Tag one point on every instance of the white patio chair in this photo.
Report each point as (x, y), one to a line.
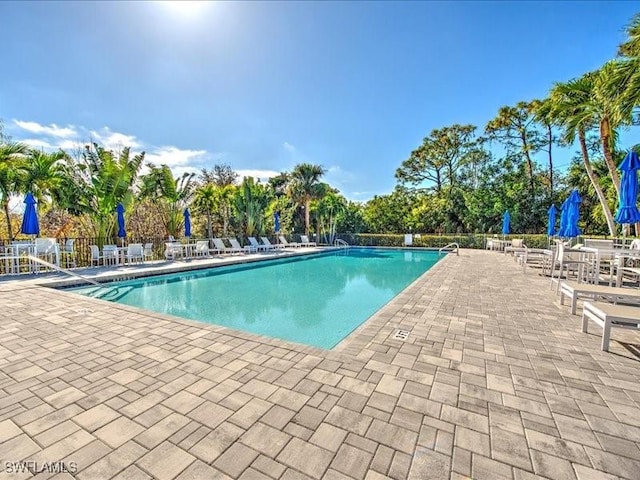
(110, 255)
(68, 253)
(135, 253)
(566, 260)
(48, 250)
(201, 249)
(96, 258)
(148, 251)
(173, 250)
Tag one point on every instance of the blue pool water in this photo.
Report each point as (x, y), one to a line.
(316, 300)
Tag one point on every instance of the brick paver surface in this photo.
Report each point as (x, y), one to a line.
(495, 380)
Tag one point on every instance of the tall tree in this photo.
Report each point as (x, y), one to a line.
(571, 109)
(516, 129)
(251, 201)
(205, 202)
(44, 174)
(541, 109)
(305, 186)
(220, 175)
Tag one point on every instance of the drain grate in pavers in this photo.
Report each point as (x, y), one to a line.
(401, 334)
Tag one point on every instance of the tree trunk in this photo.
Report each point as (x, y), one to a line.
(307, 207)
(5, 205)
(596, 185)
(525, 149)
(550, 139)
(209, 226)
(605, 137)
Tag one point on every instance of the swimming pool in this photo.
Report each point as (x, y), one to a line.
(316, 300)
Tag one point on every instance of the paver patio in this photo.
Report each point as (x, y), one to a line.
(495, 380)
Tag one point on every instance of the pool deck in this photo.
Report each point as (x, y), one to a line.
(495, 380)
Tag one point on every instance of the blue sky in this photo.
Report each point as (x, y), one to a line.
(262, 86)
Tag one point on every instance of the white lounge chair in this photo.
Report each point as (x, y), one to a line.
(222, 248)
(517, 245)
(236, 246)
(608, 316)
(304, 242)
(285, 244)
(266, 241)
(259, 246)
(575, 290)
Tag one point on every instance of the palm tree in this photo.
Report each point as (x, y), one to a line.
(571, 108)
(606, 106)
(44, 174)
(628, 71)
(12, 168)
(305, 186)
(328, 208)
(205, 202)
(251, 201)
(171, 194)
(224, 201)
(96, 183)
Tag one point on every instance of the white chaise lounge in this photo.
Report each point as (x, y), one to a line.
(304, 242)
(575, 290)
(285, 244)
(609, 316)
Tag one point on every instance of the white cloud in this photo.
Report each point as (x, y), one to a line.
(174, 156)
(52, 130)
(114, 140)
(338, 177)
(37, 143)
(179, 160)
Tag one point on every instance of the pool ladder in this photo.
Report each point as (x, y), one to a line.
(447, 247)
(341, 243)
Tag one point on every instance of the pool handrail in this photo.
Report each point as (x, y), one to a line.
(60, 269)
(453, 245)
(340, 243)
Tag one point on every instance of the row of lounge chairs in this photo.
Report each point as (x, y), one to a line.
(202, 248)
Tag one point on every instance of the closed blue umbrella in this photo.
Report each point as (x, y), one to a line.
(564, 216)
(573, 211)
(551, 220)
(30, 224)
(506, 219)
(276, 222)
(121, 230)
(187, 223)
(628, 199)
